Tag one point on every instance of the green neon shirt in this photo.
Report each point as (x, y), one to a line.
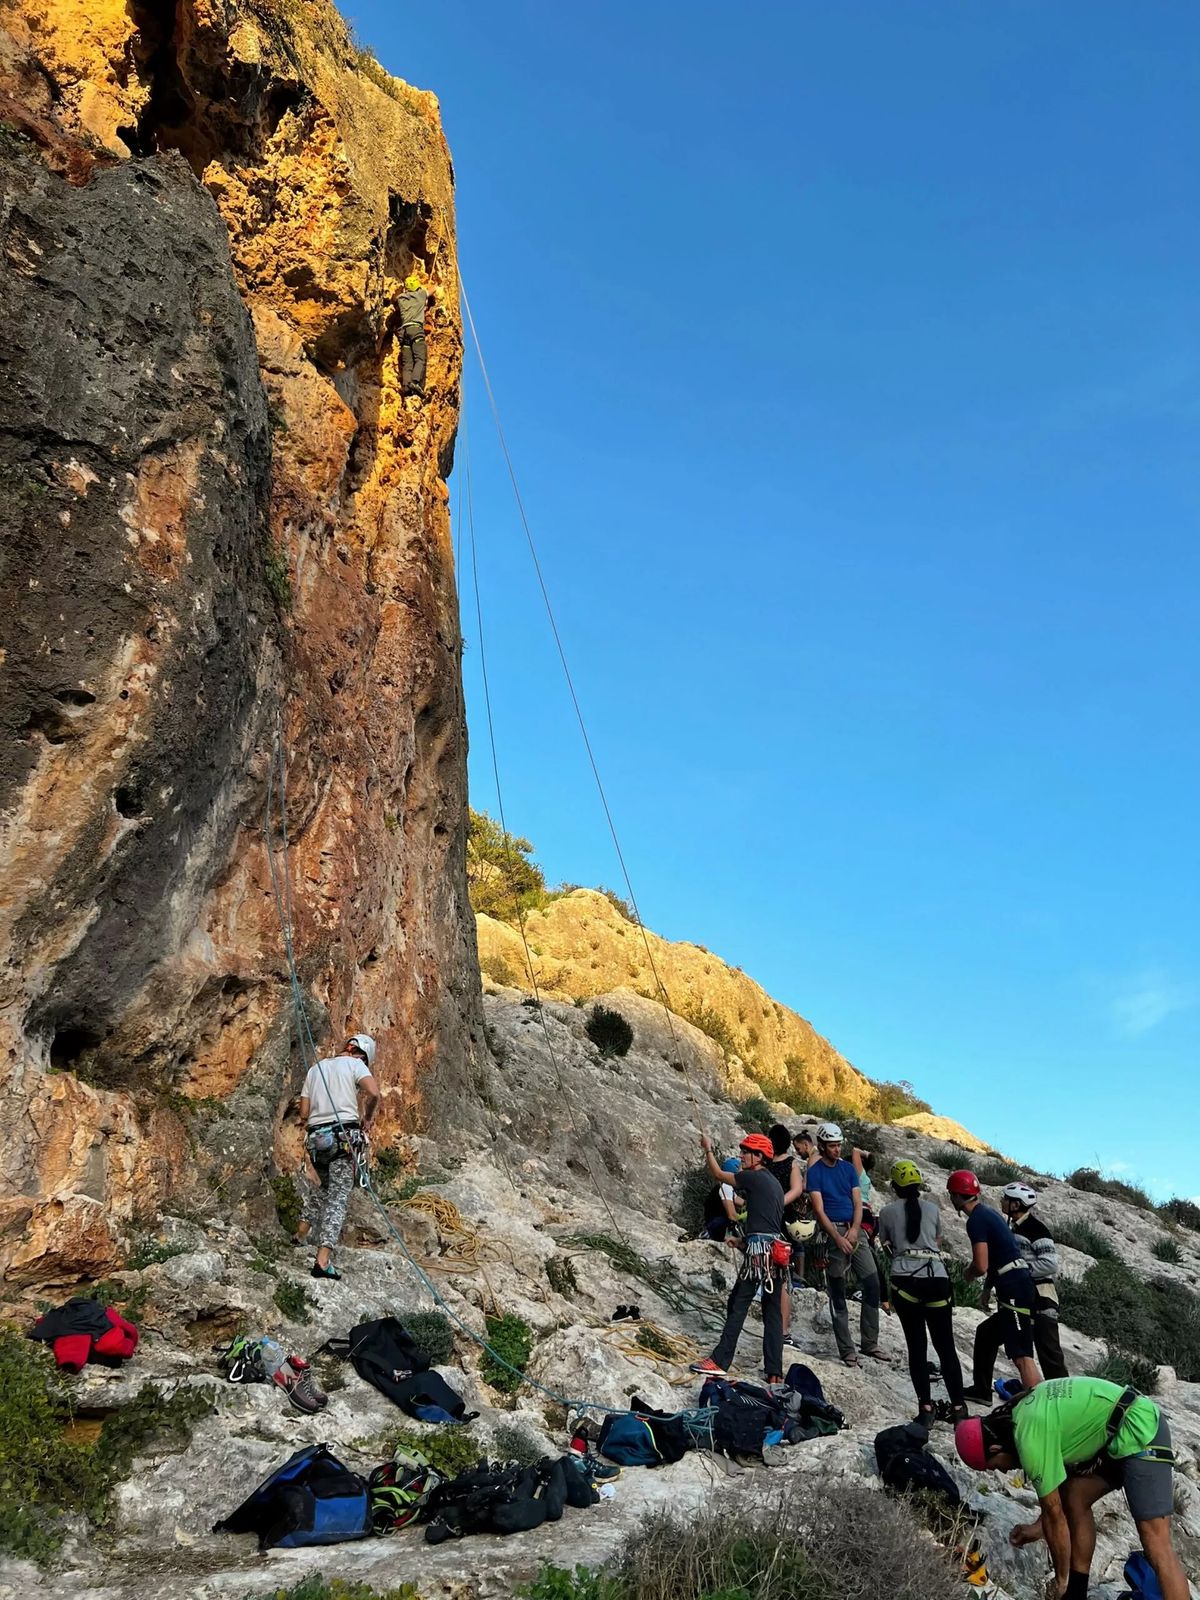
(1062, 1424)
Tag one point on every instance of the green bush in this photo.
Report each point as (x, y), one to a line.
(293, 1300)
(1158, 1320)
(835, 1540)
(713, 1024)
(502, 879)
(434, 1333)
(967, 1291)
(560, 1272)
(149, 1252)
(316, 1586)
(1093, 1182)
(691, 1190)
(996, 1173)
(287, 1202)
(609, 1031)
(512, 1339)
(1167, 1250)
(893, 1100)
(1082, 1236)
(951, 1158)
(1129, 1371)
(449, 1450)
(1185, 1212)
(754, 1114)
(584, 1583)
(44, 1475)
(620, 905)
(511, 1442)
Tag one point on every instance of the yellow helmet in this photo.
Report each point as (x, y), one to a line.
(904, 1173)
(412, 281)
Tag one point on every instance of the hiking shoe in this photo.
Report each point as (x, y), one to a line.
(708, 1368)
(299, 1389)
(299, 1365)
(979, 1397)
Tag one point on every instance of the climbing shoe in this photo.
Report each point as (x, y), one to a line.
(330, 1272)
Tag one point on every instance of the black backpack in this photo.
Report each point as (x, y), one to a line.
(905, 1463)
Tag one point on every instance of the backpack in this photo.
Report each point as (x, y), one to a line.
(384, 1353)
(399, 1489)
(804, 1381)
(905, 1464)
(1141, 1577)
(628, 1441)
(311, 1499)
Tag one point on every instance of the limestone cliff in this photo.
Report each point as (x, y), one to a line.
(219, 518)
(582, 946)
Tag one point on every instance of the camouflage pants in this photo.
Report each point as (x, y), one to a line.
(325, 1207)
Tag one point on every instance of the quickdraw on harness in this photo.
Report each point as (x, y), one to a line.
(335, 1140)
(759, 1261)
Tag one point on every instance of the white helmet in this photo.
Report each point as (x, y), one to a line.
(1025, 1197)
(366, 1044)
(829, 1133)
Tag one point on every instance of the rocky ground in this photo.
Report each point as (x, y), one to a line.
(577, 1145)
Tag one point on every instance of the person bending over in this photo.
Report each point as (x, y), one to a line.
(1076, 1440)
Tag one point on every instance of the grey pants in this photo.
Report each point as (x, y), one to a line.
(325, 1207)
(863, 1263)
(412, 360)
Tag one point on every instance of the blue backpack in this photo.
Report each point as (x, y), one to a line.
(1139, 1575)
(628, 1441)
(311, 1499)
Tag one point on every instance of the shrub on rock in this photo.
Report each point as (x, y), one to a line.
(609, 1031)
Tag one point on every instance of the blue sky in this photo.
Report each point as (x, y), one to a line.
(848, 356)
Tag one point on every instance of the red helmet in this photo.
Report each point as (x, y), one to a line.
(964, 1183)
(968, 1441)
(759, 1144)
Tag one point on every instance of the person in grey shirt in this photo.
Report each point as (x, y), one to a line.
(910, 1230)
(411, 305)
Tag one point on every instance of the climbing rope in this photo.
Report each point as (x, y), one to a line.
(659, 986)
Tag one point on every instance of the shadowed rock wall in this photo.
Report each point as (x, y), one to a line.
(220, 518)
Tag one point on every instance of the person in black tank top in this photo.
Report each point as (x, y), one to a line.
(788, 1172)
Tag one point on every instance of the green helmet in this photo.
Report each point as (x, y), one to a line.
(412, 281)
(904, 1173)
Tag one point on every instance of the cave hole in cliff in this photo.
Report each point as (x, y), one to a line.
(129, 800)
(71, 1043)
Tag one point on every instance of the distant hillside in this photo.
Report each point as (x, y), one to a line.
(582, 946)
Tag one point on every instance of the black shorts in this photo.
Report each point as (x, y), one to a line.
(1146, 1477)
(1015, 1302)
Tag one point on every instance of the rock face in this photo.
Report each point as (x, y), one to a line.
(221, 523)
(583, 947)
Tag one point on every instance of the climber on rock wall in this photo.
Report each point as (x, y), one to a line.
(1037, 1247)
(996, 1258)
(1076, 1440)
(412, 305)
(338, 1104)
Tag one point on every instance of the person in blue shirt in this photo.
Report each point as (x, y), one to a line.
(833, 1188)
(996, 1258)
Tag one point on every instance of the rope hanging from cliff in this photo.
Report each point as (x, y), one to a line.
(659, 986)
(487, 701)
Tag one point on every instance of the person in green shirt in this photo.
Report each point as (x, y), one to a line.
(1076, 1440)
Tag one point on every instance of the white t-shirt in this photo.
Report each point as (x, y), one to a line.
(331, 1089)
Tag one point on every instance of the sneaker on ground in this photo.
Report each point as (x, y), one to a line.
(708, 1368)
(791, 1343)
(599, 1471)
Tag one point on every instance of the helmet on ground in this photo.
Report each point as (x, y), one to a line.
(412, 281)
(829, 1133)
(968, 1441)
(904, 1173)
(963, 1183)
(1025, 1197)
(731, 1164)
(759, 1144)
(365, 1043)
